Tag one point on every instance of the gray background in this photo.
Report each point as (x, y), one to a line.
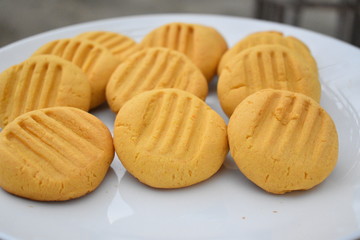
(23, 18)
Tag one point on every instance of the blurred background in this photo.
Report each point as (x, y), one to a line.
(23, 18)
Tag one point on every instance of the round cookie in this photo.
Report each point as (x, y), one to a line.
(54, 154)
(154, 68)
(169, 138)
(265, 66)
(283, 141)
(202, 44)
(96, 61)
(269, 37)
(119, 45)
(40, 82)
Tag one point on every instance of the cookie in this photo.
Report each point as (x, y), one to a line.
(119, 45)
(202, 44)
(40, 82)
(54, 154)
(283, 141)
(270, 37)
(169, 138)
(154, 68)
(265, 66)
(96, 62)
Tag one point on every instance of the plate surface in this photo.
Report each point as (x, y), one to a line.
(227, 206)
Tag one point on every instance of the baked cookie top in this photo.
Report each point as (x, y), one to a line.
(54, 154)
(96, 61)
(154, 68)
(169, 138)
(283, 141)
(120, 46)
(265, 66)
(269, 37)
(202, 44)
(40, 82)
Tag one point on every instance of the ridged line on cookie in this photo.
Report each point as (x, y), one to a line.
(83, 54)
(76, 129)
(52, 139)
(175, 124)
(178, 120)
(258, 74)
(161, 119)
(152, 110)
(29, 157)
(179, 37)
(91, 60)
(20, 93)
(35, 86)
(118, 45)
(63, 136)
(290, 72)
(155, 71)
(300, 115)
(265, 111)
(35, 152)
(156, 76)
(172, 69)
(194, 128)
(129, 78)
(282, 116)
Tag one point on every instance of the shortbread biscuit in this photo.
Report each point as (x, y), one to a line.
(169, 138)
(96, 61)
(283, 141)
(270, 37)
(54, 154)
(40, 82)
(265, 66)
(120, 45)
(202, 44)
(154, 68)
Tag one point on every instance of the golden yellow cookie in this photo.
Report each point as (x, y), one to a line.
(169, 138)
(202, 44)
(96, 61)
(54, 154)
(283, 141)
(270, 37)
(154, 68)
(40, 82)
(120, 45)
(265, 66)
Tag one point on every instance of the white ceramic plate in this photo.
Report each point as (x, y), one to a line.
(227, 206)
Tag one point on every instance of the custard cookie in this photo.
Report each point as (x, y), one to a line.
(270, 37)
(265, 66)
(40, 82)
(202, 44)
(96, 61)
(120, 45)
(283, 141)
(169, 138)
(154, 68)
(54, 154)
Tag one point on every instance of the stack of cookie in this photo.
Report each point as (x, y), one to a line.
(53, 150)
(279, 136)
(266, 60)
(164, 134)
